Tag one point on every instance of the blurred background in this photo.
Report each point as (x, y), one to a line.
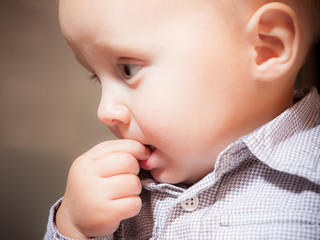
(48, 114)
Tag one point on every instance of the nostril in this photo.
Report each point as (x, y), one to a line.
(114, 114)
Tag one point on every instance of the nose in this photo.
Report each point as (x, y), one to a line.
(113, 113)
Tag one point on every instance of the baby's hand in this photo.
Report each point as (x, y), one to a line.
(102, 189)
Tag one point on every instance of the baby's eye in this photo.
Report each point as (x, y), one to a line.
(128, 71)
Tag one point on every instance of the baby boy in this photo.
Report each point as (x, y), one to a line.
(213, 141)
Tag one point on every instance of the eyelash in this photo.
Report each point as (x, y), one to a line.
(123, 70)
(128, 71)
(94, 78)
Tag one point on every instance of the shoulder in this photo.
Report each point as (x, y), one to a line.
(291, 142)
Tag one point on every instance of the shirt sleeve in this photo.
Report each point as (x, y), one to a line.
(53, 233)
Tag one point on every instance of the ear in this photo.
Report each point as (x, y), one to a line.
(274, 39)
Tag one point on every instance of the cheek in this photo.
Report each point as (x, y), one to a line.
(174, 103)
(163, 120)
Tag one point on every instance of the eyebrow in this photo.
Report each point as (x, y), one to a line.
(125, 46)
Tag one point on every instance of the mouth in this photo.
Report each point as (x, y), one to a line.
(147, 164)
(152, 148)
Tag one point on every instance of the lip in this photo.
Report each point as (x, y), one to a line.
(147, 164)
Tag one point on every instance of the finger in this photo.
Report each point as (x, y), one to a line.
(115, 164)
(124, 185)
(127, 207)
(135, 148)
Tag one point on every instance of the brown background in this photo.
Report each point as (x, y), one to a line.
(48, 114)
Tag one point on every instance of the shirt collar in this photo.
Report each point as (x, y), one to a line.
(291, 142)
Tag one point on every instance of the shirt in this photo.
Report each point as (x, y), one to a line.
(265, 185)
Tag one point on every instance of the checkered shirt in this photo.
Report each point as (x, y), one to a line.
(265, 185)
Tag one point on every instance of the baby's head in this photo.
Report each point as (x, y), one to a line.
(188, 76)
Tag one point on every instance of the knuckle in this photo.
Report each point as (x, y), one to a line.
(98, 146)
(106, 145)
(131, 208)
(136, 205)
(76, 166)
(135, 183)
(129, 163)
(133, 144)
(80, 168)
(125, 160)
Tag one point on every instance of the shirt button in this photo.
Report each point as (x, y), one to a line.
(190, 204)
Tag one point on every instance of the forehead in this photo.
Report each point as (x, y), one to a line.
(119, 19)
(97, 15)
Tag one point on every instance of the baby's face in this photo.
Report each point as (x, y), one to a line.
(171, 75)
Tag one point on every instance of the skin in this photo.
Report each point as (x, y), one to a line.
(195, 90)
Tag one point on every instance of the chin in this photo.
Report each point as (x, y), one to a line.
(163, 176)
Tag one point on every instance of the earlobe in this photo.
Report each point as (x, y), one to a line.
(275, 39)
